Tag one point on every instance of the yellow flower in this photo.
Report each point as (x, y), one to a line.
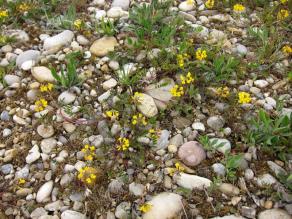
(88, 175)
(201, 54)
(139, 118)
(179, 167)
(283, 1)
(223, 91)
(21, 181)
(123, 144)
(145, 207)
(78, 23)
(177, 91)
(40, 105)
(210, 4)
(244, 97)
(282, 14)
(23, 7)
(138, 97)
(3, 14)
(89, 152)
(180, 60)
(112, 114)
(238, 7)
(46, 88)
(287, 49)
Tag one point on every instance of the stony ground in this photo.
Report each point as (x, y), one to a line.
(126, 109)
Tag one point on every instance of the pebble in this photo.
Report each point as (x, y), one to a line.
(103, 46)
(69, 214)
(45, 131)
(216, 122)
(47, 145)
(66, 97)
(261, 83)
(192, 181)
(44, 192)
(55, 43)
(29, 55)
(6, 169)
(124, 4)
(185, 6)
(219, 169)
(266, 180)
(42, 74)
(229, 189)
(147, 105)
(220, 144)
(136, 189)
(160, 206)
(198, 126)
(192, 153)
(274, 214)
(33, 155)
(123, 210)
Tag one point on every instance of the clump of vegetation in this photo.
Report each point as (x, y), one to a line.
(70, 77)
(154, 25)
(273, 133)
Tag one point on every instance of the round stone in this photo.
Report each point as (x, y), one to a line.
(191, 153)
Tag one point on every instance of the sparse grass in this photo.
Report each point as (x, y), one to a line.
(273, 133)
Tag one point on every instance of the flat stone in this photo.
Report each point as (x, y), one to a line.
(44, 192)
(192, 181)
(55, 43)
(66, 97)
(274, 214)
(29, 55)
(33, 155)
(103, 46)
(146, 106)
(42, 74)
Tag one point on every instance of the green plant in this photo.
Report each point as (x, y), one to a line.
(107, 27)
(153, 25)
(267, 40)
(65, 21)
(221, 68)
(208, 144)
(274, 134)
(232, 163)
(70, 77)
(286, 179)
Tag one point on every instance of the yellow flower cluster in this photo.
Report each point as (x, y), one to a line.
(46, 87)
(282, 14)
(88, 175)
(223, 91)
(112, 114)
(138, 97)
(283, 1)
(139, 118)
(145, 207)
(154, 134)
(201, 54)
(23, 7)
(209, 4)
(287, 49)
(244, 97)
(78, 24)
(123, 144)
(40, 105)
(238, 7)
(178, 168)
(181, 59)
(89, 152)
(21, 181)
(177, 91)
(3, 14)
(187, 79)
